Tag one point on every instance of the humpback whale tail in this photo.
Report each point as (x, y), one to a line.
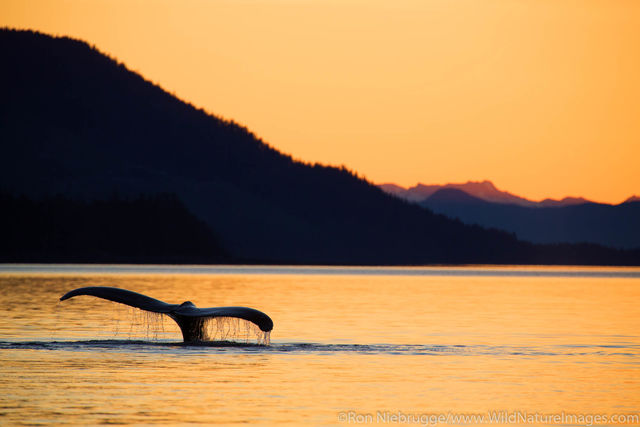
(193, 321)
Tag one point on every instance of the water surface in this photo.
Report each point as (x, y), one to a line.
(347, 343)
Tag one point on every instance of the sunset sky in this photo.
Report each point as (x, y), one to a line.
(542, 97)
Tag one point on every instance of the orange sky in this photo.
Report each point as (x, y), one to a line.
(540, 96)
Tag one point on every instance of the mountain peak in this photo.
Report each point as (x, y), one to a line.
(633, 198)
(484, 190)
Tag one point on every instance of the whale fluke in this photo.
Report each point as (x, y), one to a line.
(190, 319)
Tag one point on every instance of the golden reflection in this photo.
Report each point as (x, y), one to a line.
(365, 343)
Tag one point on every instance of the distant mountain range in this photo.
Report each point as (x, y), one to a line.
(571, 220)
(89, 148)
(484, 190)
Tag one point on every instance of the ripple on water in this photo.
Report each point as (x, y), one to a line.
(135, 346)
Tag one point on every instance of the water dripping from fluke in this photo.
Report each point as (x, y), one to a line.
(196, 324)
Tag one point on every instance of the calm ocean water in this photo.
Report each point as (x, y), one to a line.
(350, 346)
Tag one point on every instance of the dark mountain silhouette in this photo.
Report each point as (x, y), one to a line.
(156, 229)
(453, 195)
(484, 190)
(77, 123)
(610, 225)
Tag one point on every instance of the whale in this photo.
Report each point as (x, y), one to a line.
(190, 319)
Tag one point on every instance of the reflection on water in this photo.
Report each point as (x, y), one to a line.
(364, 340)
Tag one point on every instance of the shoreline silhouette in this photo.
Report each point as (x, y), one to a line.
(82, 128)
